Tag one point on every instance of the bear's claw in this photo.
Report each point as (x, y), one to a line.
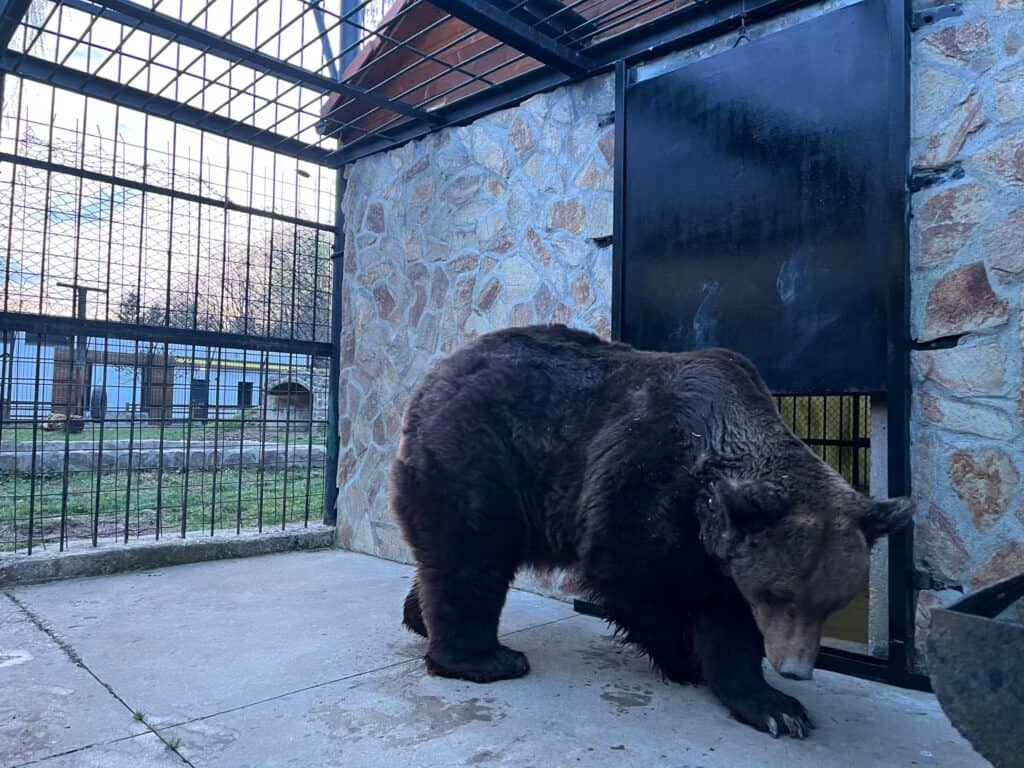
(799, 727)
(774, 712)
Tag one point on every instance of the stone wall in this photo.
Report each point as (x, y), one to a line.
(468, 230)
(465, 231)
(967, 262)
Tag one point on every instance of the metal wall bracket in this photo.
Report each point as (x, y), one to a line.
(930, 177)
(924, 580)
(936, 13)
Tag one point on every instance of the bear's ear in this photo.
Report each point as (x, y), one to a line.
(733, 509)
(880, 518)
(750, 505)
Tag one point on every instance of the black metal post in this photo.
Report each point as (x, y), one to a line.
(78, 349)
(334, 381)
(901, 545)
(352, 20)
(618, 200)
(11, 15)
(325, 41)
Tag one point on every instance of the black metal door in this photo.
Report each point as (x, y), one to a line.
(761, 205)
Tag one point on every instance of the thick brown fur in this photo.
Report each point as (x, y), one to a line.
(668, 480)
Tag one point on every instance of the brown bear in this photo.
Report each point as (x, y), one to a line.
(708, 533)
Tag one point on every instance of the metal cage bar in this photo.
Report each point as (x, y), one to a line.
(168, 27)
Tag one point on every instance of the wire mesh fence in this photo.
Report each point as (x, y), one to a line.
(156, 240)
(112, 440)
(165, 326)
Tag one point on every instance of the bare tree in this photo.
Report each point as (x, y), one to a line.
(281, 290)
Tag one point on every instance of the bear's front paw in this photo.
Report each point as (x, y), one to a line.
(500, 664)
(773, 712)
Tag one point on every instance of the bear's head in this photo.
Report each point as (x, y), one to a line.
(798, 550)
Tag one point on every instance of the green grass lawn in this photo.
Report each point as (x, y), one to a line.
(223, 500)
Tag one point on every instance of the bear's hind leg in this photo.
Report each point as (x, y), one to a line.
(461, 607)
(729, 649)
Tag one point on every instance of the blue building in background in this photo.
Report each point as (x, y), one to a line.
(117, 379)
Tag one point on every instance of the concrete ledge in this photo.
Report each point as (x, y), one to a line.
(109, 558)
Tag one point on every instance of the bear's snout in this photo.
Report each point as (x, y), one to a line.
(796, 669)
(791, 640)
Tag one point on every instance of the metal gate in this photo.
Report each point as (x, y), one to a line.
(760, 207)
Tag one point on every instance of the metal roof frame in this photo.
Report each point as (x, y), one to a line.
(561, 56)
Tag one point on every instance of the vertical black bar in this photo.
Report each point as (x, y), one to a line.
(136, 407)
(901, 552)
(857, 434)
(352, 20)
(283, 450)
(809, 428)
(7, 369)
(826, 452)
(163, 413)
(35, 436)
(14, 183)
(166, 409)
(246, 314)
(843, 435)
(98, 461)
(216, 438)
(42, 304)
(334, 382)
(273, 316)
(243, 406)
(311, 372)
(189, 372)
(219, 408)
(619, 200)
(261, 474)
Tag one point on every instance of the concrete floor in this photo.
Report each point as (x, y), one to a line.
(299, 660)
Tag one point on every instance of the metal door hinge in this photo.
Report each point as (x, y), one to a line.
(936, 13)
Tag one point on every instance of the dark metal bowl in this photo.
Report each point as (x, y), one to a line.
(976, 664)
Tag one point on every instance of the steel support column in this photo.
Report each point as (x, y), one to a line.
(11, 14)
